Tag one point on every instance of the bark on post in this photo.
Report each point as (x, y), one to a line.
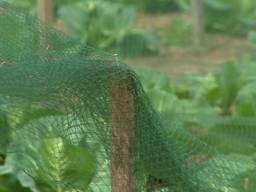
(122, 137)
(45, 10)
(198, 23)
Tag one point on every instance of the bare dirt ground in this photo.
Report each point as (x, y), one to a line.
(174, 60)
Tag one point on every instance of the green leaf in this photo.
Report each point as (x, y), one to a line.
(252, 38)
(245, 104)
(24, 4)
(95, 22)
(63, 166)
(230, 82)
(15, 181)
(8, 183)
(5, 131)
(49, 149)
(218, 5)
(152, 79)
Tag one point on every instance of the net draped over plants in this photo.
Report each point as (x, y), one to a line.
(55, 94)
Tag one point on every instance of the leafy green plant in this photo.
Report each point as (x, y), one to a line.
(4, 128)
(138, 42)
(97, 24)
(183, 118)
(167, 96)
(228, 90)
(8, 183)
(178, 32)
(161, 6)
(223, 15)
(219, 88)
(29, 148)
(245, 102)
(252, 38)
(229, 80)
(26, 4)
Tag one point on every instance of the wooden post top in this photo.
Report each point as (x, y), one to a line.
(121, 121)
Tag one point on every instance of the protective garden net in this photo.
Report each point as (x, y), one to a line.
(59, 101)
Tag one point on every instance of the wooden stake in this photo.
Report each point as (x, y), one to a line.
(122, 137)
(198, 24)
(45, 10)
(45, 14)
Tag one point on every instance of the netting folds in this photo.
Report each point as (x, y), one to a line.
(72, 111)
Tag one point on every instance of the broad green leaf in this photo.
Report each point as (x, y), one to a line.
(8, 183)
(95, 23)
(5, 131)
(63, 166)
(245, 104)
(50, 150)
(230, 82)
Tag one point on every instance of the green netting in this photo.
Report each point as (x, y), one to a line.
(55, 101)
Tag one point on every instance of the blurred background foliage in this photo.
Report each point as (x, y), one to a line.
(217, 79)
(110, 24)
